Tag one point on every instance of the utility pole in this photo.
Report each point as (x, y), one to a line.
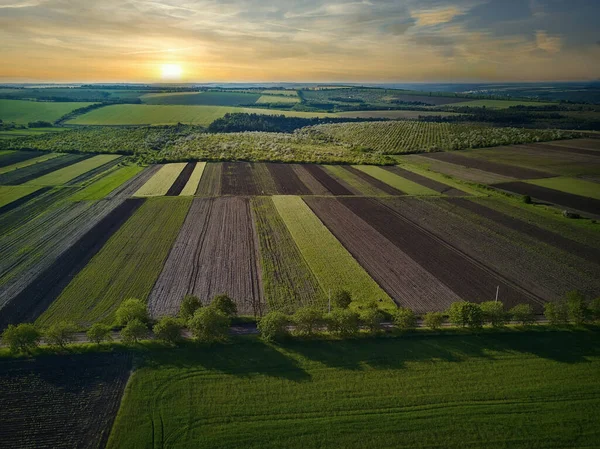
(497, 289)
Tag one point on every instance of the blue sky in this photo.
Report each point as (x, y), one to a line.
(305, 40)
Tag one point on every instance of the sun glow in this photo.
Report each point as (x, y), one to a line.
(171, 71)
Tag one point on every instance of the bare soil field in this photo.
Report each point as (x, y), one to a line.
(210, 182)
(426, 182)
(315, 187)
(384, 187)
(61, 401)
(467, 278)
(586, 144)
(237, 179)
(492, 167)
(407, 283)
(580, 203)
(545, 147)
(327, 181)
(286, 180)
(215, 253)
(181, 180)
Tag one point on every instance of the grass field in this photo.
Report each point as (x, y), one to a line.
(127, 266)
(332, 264)
(570, 185)
(507, 390)
(499, 104)
(398, 182)
(66, 174)
(136, 114)
(159, 184)
(106, 184)
(8, 194)
(23, 112)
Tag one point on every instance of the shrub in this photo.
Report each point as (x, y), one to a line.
(522, 313)
(168, 329)
(60, 334)
(134, 331)
(273, 326)
(307, 319)
(405, 319)
(433, 320)
(188, 306)
(98, 333)
(465, 314)
(209, 324)
(493, 313)
(556, 312)
(343, 322)
(24, 337)
(595, 309)
(372, 319)
(225, 304)
(131, 309)
(577, 310)
(526, 199)
(341, 299)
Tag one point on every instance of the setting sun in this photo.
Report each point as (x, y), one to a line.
(171, 71)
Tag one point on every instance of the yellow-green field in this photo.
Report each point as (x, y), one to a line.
(23, 112)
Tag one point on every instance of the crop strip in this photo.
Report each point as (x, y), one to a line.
(543, 148)
(569, 200)
(14, 157)
(194, 180)
(74, 171)
(181, 180)
(26, 174)
(354, 183)
(22, 200)
(429, 183)
(35, 298)
(210, 182)
(91, 175)
(28, 162)
(237, 179)
(315, 187)
(160, 183)
(374, 181)
(396, 181)
(287, 180)
(328, 181)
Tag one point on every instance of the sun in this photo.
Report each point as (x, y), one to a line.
(171, 71)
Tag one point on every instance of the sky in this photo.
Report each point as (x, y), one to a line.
(299, 40)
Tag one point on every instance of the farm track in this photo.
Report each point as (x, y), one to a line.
(181, 180)
(215, 253)
(287, 181)
(36, 297)
(62, 401)
(315, 187)
(210, 182)
(552, 238)
(539, 269)
(384, 187)
(493, 167)
(407, 282)
(580, 203)
(31, 172)
(467, 278)
(18, 156)
(426, 182)
(327, 181)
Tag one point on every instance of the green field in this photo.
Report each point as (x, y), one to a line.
(398, 182)
(359, 185)
(570, 185)
(9, 134)
(28, 162)
(331, 263)
(66, 174)
(505, 390)
(201, 98)
(127, 266)
(498, 104)
(277, 99)
(106, 184)
(8, 194)
(287, 93)
(136, 114)
(160, 183)
(23, 112)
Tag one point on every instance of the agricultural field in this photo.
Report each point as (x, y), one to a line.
(74, 171)
(26, 132)
(499, 104)
(418, 392)
(28, 162)
(23, 112)
(10, 194)
(102, 187)
(201, 98)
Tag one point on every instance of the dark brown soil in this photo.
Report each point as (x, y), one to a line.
(61, 401)
(181, 180)
(541, 234)
(326, 180)
(493, 167)
(374, 181)
(286, 180)
(545, 147)
(568, 200)
(426, 182)
(463, 275)
(210, 182)
(237, 179)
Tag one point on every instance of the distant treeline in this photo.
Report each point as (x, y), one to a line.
(238, 122)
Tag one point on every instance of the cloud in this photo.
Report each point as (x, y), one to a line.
(27, 4)
(547, 43)
(430, 17)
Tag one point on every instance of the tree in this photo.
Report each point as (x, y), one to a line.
(24, 337)
(134, 331)
(60, 334)
(188, 306)
(556, 313)
(522, 313)
(343, 322)
(577, 309)
(372, 319)
(493, 313)
(307, 319)
(433, 320)
(168, 329)
(98, 333)
(273, 326)
(225, 304)
(465, 314)
(209, 324)
(131, 309)
(341, 299)
(405, 319)
(595, 309)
